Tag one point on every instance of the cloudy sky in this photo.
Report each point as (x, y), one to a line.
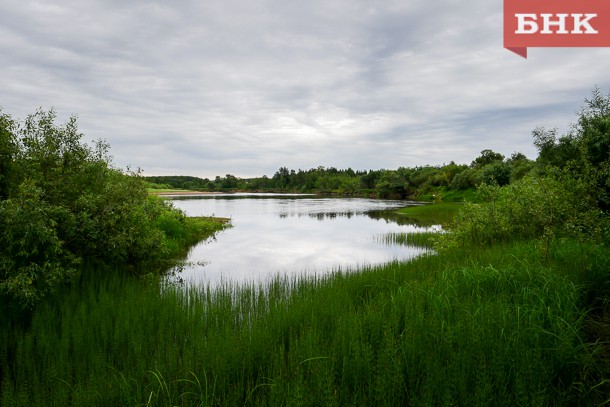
(210, 87)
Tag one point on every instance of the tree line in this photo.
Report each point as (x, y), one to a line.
(404, 182)
(583, 150)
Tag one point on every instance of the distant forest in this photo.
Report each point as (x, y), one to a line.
(447, 182)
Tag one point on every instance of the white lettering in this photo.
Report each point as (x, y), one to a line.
(527, 23)
(522, 22)
(547, 23)
(578, 24)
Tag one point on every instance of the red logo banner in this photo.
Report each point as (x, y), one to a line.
(555, 23)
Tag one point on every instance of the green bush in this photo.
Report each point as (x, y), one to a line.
(496, 173)
(33, 260)
(62, 202)
(534, 207)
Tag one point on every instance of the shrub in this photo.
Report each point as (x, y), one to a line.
(541, 208)
(33, 259)
(62, 202)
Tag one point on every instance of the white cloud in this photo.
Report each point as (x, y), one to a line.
(216, 87)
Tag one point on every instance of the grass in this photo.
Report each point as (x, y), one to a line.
(424, 239)
(182, 232)
(431, 214)
(441, 194)
(500, 326)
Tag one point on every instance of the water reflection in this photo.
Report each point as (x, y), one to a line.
(292, 234)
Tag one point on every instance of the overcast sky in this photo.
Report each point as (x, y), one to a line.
(210, 87)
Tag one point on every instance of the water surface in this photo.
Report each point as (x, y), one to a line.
(290, 234)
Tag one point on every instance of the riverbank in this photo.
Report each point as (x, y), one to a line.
(175, 192)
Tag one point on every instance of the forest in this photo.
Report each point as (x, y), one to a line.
(451, 182)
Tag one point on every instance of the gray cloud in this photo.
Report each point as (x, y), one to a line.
(216, 87)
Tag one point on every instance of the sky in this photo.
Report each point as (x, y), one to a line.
(244, 87)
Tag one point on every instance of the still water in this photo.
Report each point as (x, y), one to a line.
(290, 235)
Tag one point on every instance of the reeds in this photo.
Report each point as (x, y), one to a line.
(423, 239)
(432, 214)
(497, 327)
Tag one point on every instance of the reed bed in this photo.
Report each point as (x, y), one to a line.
(498, 327)
(423, 239)
(432, 214)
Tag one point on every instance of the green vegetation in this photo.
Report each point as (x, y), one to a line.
(494, 327)
(449, 183)
(432, 214)
(63, 205)
(423, 239)
(512, 311)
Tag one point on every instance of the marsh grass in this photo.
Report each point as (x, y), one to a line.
(424, 239)
(493, 327)
(432, 214)
(183, 232)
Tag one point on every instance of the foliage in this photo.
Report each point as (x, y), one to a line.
(532, 208)
(497, 173)
(404, 182)
(553, 151)
(8, 150)
(63, 204)
(433, 214)
(593, 136)
(567, 194)
(465, 180)
(33, 259)
(487, 157)
(585, 151)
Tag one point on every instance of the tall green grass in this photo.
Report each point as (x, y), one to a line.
(431, 214)
(423, 239)
(494, 327)
(182, 232)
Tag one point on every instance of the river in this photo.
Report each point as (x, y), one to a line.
(290, 235)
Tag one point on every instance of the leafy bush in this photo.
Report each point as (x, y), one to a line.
(496, 173)
(62, 202)
(541, 208)
(33, 260)
(465, 179)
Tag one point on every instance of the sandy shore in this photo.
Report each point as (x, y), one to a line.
(172, 193)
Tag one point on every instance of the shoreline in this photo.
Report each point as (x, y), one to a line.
(173, 193)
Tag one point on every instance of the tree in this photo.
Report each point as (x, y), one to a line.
(62, 203)
(8, 150)
(520, 165)
(390, 185)
(465, 179)
(553, 151)
(487, 157)
(497, 173)
(583, 153)
(593, 137)
(33, 259)
(282, 177)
